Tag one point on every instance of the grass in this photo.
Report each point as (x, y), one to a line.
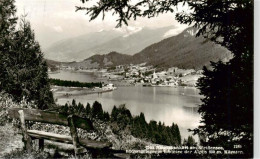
(10, 140)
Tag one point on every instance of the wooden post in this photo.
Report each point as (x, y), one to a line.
(41, 144)
(74, 134)
(26, 138)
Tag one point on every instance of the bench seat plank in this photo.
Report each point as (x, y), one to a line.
(50, 117)
(121, 155)
(67, 139)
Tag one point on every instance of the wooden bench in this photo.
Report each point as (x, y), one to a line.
(72, 121)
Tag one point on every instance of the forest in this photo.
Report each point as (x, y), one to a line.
(121, 119)
(66, 83)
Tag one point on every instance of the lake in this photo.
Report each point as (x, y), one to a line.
(75, 76)
(165, 104)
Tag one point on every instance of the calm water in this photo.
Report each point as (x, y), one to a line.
(166, 104)
(75, 76)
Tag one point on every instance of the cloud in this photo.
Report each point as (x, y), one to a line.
(60, 16)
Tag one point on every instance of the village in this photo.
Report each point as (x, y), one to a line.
(141, 74)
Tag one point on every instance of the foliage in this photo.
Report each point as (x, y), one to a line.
(121, 120)
(8, 22)
(122, 117)
(97, 111)
(157, 133)
(148, 73)
(94, 112)
(128, 9)
(6, 103)
(59, 82)
(189, 142)
(23, 71)
(7, 29)
(227, 119)
(88, 110)
(233, 121)
(25, 155)
(76, 109)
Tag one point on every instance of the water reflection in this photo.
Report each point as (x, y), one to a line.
(75, 76)
(191, 109)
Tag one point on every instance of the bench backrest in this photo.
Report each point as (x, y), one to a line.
(50, 117)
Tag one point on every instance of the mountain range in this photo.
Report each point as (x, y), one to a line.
(127, 42)
(184, 50)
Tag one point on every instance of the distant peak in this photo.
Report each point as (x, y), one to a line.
(113, 53)
(129, 30)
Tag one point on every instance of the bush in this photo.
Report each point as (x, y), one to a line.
(7, 102)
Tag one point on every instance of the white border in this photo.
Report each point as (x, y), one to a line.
(256, 78)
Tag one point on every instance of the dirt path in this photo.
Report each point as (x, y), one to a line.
(9, 140)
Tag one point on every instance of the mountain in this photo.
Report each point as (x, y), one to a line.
(73, 49)
(184, 51)
(127, 42)
(133, 43)
(97, 61)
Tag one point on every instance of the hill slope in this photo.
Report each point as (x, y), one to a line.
(183, 51)
(97, 61)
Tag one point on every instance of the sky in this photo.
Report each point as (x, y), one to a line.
(55, 20)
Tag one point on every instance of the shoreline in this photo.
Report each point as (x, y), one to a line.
(75, 91)
(66, 92)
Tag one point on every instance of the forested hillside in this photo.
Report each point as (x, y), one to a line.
(183, 51)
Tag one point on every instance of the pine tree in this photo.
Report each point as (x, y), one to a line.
(189, 142)
(8, 22)
(97, 111)
(88, 110)
(23, 71)
(80, 110)
(114, 114)
(74, 104)
(29, 72)
(106, 116)
(178, 134)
